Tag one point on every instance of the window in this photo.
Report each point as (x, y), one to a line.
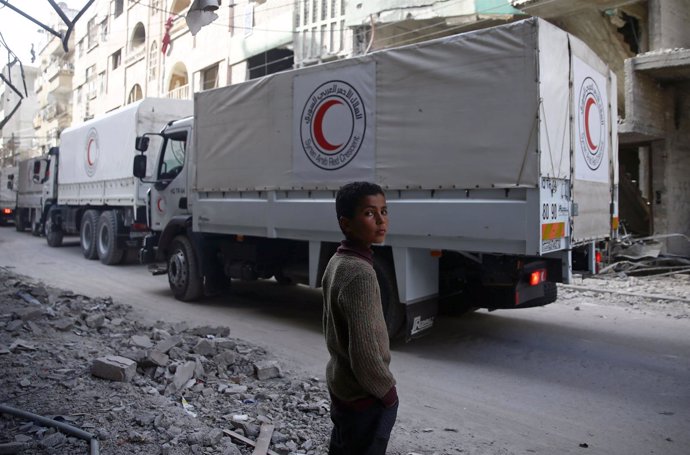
(91, 81)
(135, 94)
(101, 82)
(153, 61)
(138, 37)
(80, 48)
(116, 59)
(172, 160)
(91, 33)
(324, 9)
(119, 7)
(209, 77)
(314, 10)
(312, 48)
(323, 45)
(333, 8)
(104, 30)
(306, 12)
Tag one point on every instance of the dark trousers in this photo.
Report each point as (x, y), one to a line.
(364, 432)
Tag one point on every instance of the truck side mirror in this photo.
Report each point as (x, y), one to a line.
(141, 143)
(139, 170)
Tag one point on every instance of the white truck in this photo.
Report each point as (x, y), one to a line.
(496, 148)
(95, 194)
(8, 196)
(31, 200)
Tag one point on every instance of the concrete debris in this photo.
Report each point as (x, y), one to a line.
(114, 368)
(168, 388)
(267, 369)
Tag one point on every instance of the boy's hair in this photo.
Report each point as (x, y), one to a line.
(351, 194)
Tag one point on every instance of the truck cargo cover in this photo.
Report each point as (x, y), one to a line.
(457, 112)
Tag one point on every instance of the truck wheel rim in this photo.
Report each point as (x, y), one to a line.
(178, 269)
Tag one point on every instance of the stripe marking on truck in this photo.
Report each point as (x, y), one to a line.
(552, 231)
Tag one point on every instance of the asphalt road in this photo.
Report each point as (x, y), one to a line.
(552, 380)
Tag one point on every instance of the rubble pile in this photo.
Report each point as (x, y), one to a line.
(140, 388)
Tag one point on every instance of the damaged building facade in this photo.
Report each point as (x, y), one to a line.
(647, 44)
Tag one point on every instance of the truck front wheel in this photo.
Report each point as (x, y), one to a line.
(53, 233)
(87, 234)
(108, 251)
(183, 272)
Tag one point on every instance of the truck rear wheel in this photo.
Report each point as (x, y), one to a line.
(35, 222)
(393, 310)
(183, 272)
(19, 222)
(87, 234)
(108, 251)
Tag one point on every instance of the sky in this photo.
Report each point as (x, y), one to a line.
(20, 32)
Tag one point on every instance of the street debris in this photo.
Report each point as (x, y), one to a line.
(143, 388)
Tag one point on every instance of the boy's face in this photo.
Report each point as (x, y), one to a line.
(370, 223)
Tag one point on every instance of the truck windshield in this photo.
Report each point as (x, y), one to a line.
(173, 156)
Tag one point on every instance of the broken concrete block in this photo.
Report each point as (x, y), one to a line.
(267, 369)
(225, 359)
(183, 374)
(156, 358)
(114, 368)
(168, 343)
(63, 324)
(141, 341)
(205, 347)
(225, 343)
(95, 321)
(12, 447)
(15, 325)
(30, 313)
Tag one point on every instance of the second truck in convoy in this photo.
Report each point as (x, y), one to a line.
(496, 148)
(87, 184)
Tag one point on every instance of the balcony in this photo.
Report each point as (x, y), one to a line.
(180, 93)
(59, 69)
(134, 55)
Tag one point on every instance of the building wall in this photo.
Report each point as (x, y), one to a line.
(669, 23)
(18, 132)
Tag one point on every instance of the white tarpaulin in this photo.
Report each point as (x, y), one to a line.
(591, 123)
(102, 149)
(333, 124)
(457, 112)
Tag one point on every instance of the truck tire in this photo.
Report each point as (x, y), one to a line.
(393, 310)
(53, 233)
(106, 238)
(36, 223)
(87, 234)
(19, 223)
(183, 272)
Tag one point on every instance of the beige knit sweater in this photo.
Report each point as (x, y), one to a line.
(355, 330)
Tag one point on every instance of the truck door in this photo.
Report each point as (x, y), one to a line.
(592, 146)
(168, 195)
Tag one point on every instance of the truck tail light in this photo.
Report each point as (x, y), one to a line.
(6, 211)
(537, 277)
(597, 258)
(139, 227)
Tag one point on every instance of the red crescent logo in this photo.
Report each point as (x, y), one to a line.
(588, 106)
(158, 204)
(88, 152)
(318, 126)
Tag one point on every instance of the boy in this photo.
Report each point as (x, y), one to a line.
(364, 401)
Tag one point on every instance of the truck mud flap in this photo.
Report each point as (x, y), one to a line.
(420, 318)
